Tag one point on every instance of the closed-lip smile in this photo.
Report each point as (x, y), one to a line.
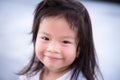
(53, 57)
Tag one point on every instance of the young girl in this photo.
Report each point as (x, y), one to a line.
(63, 43)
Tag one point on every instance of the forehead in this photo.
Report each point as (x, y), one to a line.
(59, 25)
(62, 17)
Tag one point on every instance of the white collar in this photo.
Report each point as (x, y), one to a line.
(66, 76)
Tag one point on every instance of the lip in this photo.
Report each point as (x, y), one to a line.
(53, 58)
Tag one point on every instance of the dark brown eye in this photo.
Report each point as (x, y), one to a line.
(66, 42)
(45, 38)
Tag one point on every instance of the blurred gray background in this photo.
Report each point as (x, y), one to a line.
(16, 18)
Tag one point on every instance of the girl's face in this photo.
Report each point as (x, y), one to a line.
(55, 44)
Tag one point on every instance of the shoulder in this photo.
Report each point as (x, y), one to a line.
(23, 77)
(81, 76)
(34, 77)
(67, 76)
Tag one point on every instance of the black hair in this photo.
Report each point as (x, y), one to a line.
(77, 16)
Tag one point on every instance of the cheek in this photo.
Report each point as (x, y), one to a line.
(70, 55)
(39, 49)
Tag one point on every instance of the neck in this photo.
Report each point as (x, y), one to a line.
(49, 74)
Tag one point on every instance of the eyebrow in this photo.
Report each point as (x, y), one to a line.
(44, 33)
(68, 37)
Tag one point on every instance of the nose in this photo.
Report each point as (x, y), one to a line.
(53, 47)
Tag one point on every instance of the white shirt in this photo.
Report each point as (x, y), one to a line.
(66, 76)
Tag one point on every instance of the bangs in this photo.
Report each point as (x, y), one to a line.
(71, 14)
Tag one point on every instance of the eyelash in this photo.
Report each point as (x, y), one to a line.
(45, 38)
(66, 42)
